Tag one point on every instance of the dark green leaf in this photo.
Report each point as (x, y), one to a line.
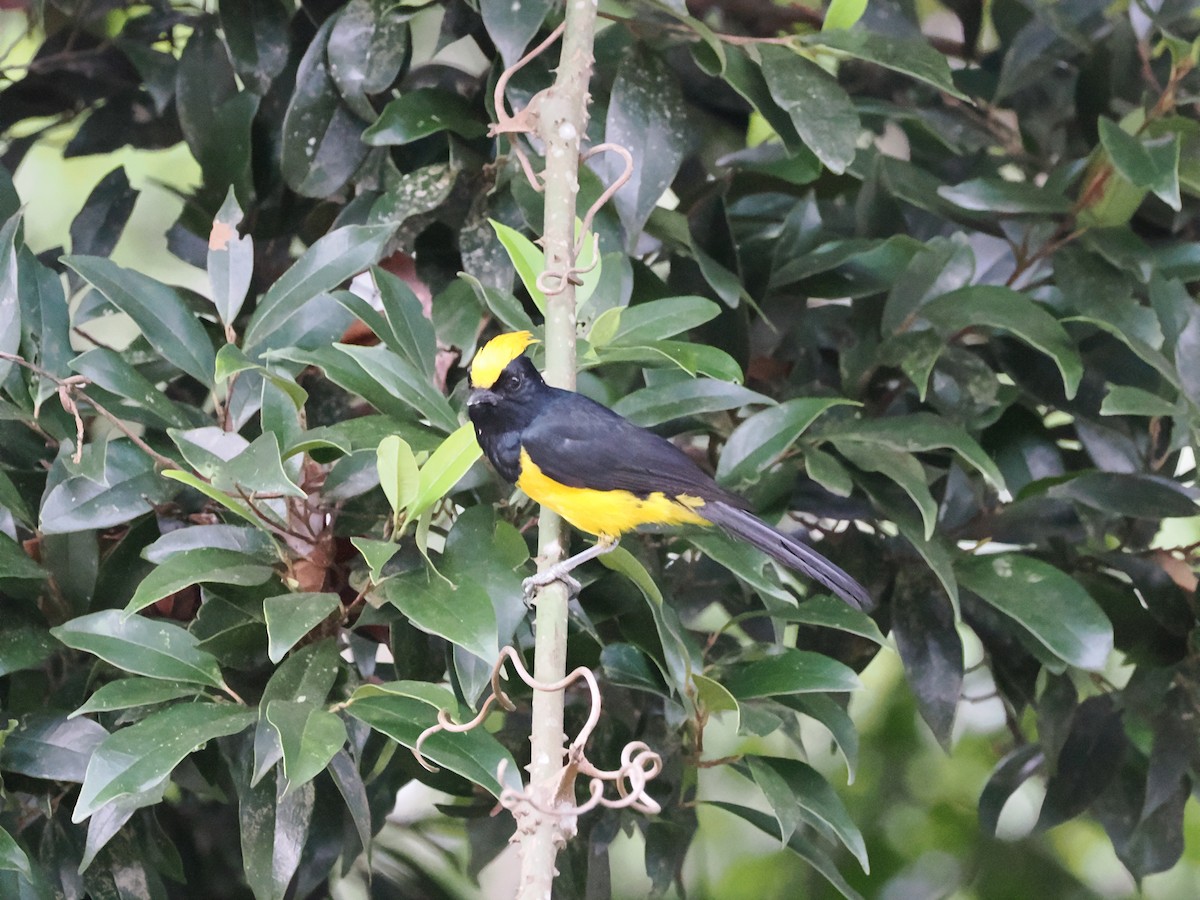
(512, 25)
(1127, 494)
(256, 33)
(686, 397)
(997, 196)
(1088, 761)
(15, 562)
(367, 48)
(789, 672)
(992, 306)
(402, 380)
(125, 490)
(210, 565)
(1010, 773)
(98, 226)
(646, 116)
(274, 827)
(130, 693)
(51, 746)
(157, 310)
(137, 758)
(1049, 604)
(403, 709)
(1153, 165)
(914, 58)
(322, 138)
(24, 647)
(923, 624)
(462, 613)
(820, 110)
(112, 372)
(154, 648)
(764, 437)
(663, 318)
(336, 257)
(423, 112)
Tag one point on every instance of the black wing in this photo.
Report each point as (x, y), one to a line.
(580, 443)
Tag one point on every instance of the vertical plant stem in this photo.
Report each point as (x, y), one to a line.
(562, 123)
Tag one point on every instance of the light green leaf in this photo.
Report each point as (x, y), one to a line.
(398, 473)
(290, 617)
(445, 468)
(527, 259)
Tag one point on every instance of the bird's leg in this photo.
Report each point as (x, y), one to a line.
(560, 571)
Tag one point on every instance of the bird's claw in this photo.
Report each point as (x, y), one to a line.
(549, 576)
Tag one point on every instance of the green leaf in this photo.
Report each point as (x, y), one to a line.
(527, 259)
(154, 648)
(764, 437)
(900, 467)
(1152, 164)
(306, 676)
(403, 709)
(712, 698)
(825, 611)
(997, 196)
(256, 35)
(125, 489)
(1049, 604)
(688, 397)
(908, 56)
(138, 758)
(664, 318)
(820, 110)
(445, 467)
(274, 828)
(398, 473)
(322, 138)
(1150, 497)
(309, 736)
(158, 312)
(798, 844)
(402, 380)
(422, 112)
(1126, 400)
(789, 672)
(916, 433)
(377, 554)
(258, 469)
(412, 334)
(24, 647)
(695, 359)
(647, 116)
(110, 371)
(512, 25)
(795, 788)
(230, 260)
(47, 745)
(235, 506)
(10, 300)
(210, 565)
(367, 48)
(462, 613)
(130, 693)
(12, 857)
(291, 616)
(843, 14)
(15, 562)
(336, 257)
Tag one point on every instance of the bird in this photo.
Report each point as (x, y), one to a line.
(606, 476)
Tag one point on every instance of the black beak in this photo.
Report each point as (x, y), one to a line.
(481, 397)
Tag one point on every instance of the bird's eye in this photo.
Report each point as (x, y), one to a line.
(512, 382)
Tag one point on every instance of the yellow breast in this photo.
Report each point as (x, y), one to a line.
(608, 513)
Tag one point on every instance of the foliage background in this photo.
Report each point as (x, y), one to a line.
(994, 256)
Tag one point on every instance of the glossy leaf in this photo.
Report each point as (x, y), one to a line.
(820, 111)
(156, 309)
(290, 617)
(445, 467)
(130, 693)
(124, 491)
(154, 648)
(309, 737)
(403, 709)
(512, 26)
(789, 672)
(336, 257)
(654, 405)
(764, 437)
(911, 57)
(1046, 602)
(461, 613)
(367, 47)
(136, 759)
(420, 113)
(51, 746)
(210, 565)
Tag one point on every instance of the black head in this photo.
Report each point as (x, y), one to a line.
(511, 401)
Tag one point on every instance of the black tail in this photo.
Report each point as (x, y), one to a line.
(787, 550)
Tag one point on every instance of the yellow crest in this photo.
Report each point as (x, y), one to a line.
(496, 354)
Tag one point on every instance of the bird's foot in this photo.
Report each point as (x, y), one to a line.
(558, 572)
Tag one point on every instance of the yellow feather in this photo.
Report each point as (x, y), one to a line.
(497, 353)
(607, 513)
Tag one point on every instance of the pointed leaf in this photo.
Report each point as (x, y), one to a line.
(211, 565)
(309, 736)
(291, 616)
